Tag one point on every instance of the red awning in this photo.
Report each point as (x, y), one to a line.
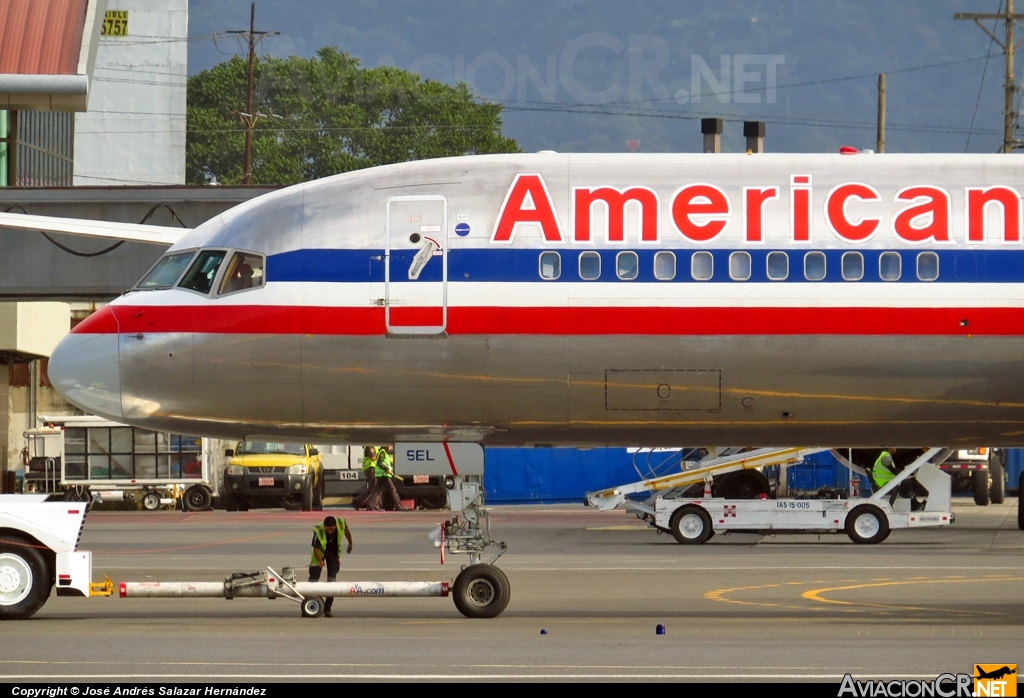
(42, 61)
(41, 37)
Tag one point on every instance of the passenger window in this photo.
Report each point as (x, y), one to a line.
(702, 266)
(927, 266)
(166, 271)
(664, 266)
(550, 265)
(778, 266)
(853, 266)
(627, 265)
(245, 271)
(889, 266)
(590, 266)
(739, 266)
(199, 276)
(814, 266)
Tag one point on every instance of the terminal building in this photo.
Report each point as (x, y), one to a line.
(92, 95)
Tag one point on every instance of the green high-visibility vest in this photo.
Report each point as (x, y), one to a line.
(321, 538)
(368, 463)
(383, 468)
(879, 473)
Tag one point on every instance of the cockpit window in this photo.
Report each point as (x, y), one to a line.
(199, 276)
(245, 271)
(166, 271)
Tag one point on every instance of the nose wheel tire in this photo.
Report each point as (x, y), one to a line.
(691, 525)
(312, 607)
(867, 524)
(151, 501)
(481, 591)
(25, 579)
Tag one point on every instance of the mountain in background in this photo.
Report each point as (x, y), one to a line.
(593, 75)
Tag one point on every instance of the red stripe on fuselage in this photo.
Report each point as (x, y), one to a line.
(100, 322)
(282, 319)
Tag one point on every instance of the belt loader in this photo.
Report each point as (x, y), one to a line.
(694, 520)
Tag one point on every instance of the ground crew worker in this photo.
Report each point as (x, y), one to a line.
(369, 497)
(385, 478)
(327, 552)
(884, 469)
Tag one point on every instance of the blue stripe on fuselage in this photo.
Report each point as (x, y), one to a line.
(340, 266)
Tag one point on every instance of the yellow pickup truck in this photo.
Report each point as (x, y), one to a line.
(274, 474)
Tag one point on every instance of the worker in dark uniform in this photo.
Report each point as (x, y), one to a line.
(369, 498)
(385, 480)
(327, 552)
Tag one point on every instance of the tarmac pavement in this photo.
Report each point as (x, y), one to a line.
(740, 607)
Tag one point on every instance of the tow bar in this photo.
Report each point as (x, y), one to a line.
(480, 590)
(271, 585)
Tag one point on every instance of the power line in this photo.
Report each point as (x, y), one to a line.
(250, 116)
(984, 72)
(1009, 84)
(823, 81)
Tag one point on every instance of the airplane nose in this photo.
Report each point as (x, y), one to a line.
(84, 370)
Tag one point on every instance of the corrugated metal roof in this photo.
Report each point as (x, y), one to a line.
(41, 37)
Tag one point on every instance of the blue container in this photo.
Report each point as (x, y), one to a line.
(551, 475)
(1014, 466)
(822, 470)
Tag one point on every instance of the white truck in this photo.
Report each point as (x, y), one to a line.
(39, 552)
(694, 520)
(82, 457)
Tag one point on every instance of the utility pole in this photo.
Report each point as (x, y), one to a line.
(880, 139)
(1008, 47)
(249, 117)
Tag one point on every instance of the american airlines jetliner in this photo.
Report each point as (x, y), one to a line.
(581, 299)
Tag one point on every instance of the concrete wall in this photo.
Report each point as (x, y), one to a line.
(33, 328)
(134, 129)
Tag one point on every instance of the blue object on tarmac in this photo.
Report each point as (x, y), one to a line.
(660, 630)
(543, 631)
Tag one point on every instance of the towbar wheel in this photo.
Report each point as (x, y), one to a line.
(312, 607)
(481, 591)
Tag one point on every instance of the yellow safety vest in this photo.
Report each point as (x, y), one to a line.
(384, 468)
(879, 473)
(321, 537)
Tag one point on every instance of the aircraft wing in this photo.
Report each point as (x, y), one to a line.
(154, 234)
